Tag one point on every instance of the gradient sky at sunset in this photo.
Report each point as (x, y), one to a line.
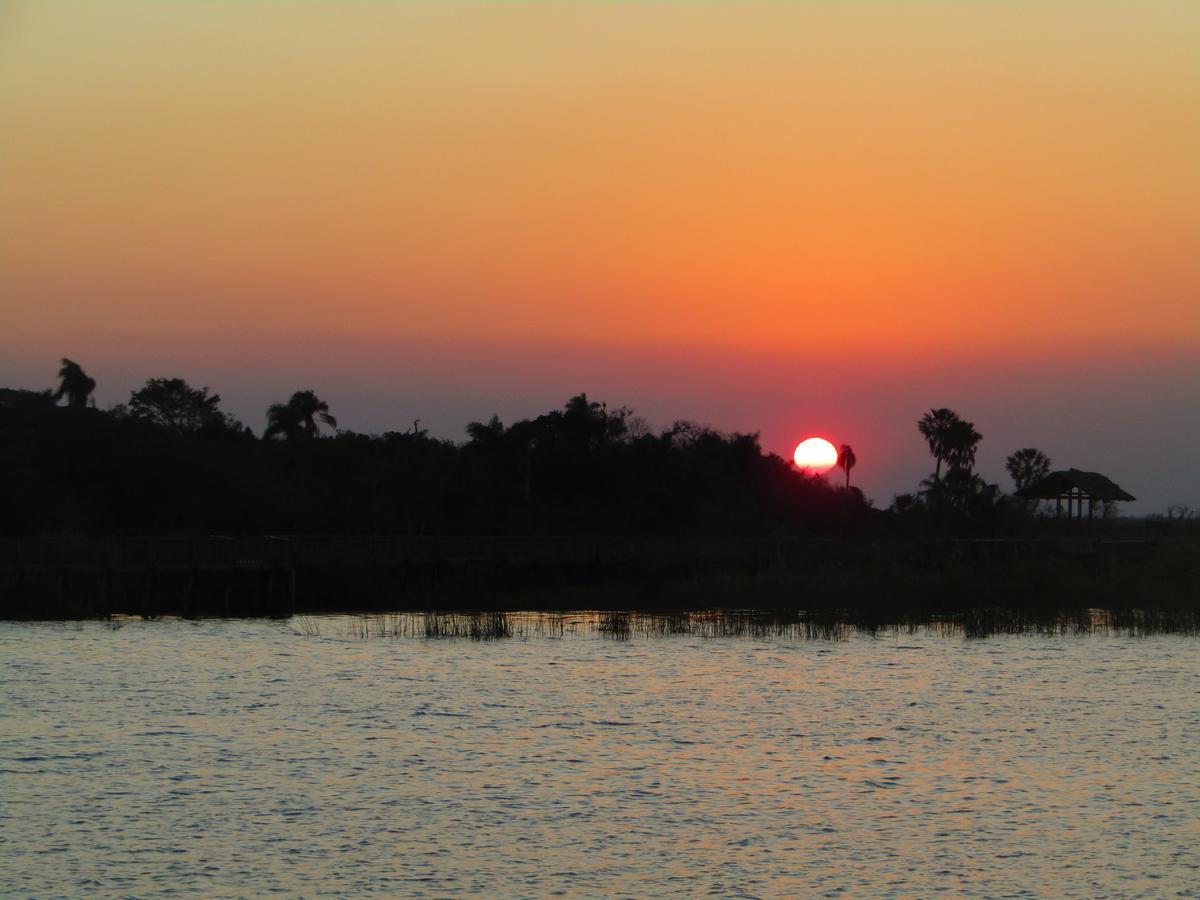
(788, 217)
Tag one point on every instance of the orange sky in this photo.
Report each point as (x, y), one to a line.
(857, 180)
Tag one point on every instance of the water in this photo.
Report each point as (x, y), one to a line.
(236, 758)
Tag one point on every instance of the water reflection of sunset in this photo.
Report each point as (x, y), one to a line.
(581, 763)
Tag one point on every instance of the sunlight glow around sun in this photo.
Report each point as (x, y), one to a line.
(815, 455)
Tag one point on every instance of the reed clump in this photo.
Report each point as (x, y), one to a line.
(477, 626)
(787, 625)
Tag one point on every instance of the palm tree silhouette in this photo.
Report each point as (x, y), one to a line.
(936, 426)
(75, 384)
(953, 441)
(1027, 466)
(961, 442)
(846, 460)
(300, 417)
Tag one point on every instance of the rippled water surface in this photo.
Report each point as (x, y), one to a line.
(241, 758)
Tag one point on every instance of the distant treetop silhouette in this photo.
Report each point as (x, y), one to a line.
(1027, 466)
(846, 460)
(962, 440)
(935, 427)
(952, 440)
(75, 384)
(300, 417)
(172, 404)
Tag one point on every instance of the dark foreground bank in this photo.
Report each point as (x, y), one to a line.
(884, 582)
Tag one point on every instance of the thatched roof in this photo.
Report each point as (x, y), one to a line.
(1093, 484)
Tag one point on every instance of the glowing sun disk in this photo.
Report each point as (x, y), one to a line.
(816, 455)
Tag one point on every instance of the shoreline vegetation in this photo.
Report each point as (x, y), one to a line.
(166, 505)
(758, 624)
(864, 583)
(624, 625)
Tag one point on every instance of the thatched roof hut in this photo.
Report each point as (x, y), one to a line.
(1074, 485)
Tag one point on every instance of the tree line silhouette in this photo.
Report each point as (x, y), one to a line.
(170, 460)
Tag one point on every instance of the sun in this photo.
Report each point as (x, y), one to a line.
(815, 455)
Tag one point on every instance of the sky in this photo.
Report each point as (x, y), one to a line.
(791, 218)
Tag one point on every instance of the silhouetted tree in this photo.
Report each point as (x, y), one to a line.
(74, 384)
(1027, 466)
(954, 441)
(172, 404)
(936, 426)
(846, 460)
(1181, 512)
(507, 452)
(486, 433)
(583, 423)
(961, 442)
(583, 468)
(299, 417)
(14, 398)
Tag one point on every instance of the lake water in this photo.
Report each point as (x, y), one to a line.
(240, 758)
